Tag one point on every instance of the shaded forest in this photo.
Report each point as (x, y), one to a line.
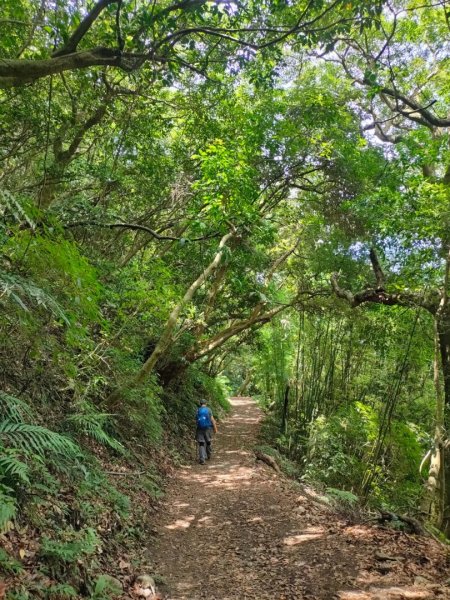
(206, 198)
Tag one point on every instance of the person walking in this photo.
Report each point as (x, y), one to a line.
(206, 424)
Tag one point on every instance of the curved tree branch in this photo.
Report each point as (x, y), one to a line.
(414, 109)
(83, 28)
(16, 72)
(380, 296)
(137, 227)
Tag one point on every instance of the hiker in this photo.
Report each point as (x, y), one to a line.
(205, 424)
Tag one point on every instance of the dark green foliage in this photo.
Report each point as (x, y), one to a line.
(70, 547)
(39, 439)
(104, 588)
(92, 423)
(61, 591)
(340, 390)
(116, 187)
(9, 564)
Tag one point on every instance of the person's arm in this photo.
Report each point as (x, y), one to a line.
(214, 424)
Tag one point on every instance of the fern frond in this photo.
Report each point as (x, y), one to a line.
(18, 209)
(10, 465)
(17, 288)
(14, 409)
(40, 439)
(91, 424)
(8, 508)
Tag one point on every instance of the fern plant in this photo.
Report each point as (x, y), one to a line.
(9, 564)
(61, 591)
(8, 508)
(19, 290)
(16, 433)
(12, 466)
(39, 439)
(64, 555)
(21, 442)
(92, 423)
(105, 587)
(19, 210)
(14, 409)
(78, 544)
(342, 496)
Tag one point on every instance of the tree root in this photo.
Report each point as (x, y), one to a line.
(265, 458)
(414, 525)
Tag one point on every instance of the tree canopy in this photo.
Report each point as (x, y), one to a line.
(200, 194)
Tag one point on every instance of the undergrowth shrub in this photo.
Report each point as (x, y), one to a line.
(97, 425)
(8, 564)
(105, 588)
(22, 446)
(337, 446)
(340, 454)
(72, 546)
(142, 411)
(400, 485)
(62, 271)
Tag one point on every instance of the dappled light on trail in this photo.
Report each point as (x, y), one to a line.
(390, 593)
(181, 523)
(234, 529)
(310, 533)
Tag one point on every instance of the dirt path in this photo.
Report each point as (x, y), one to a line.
(234, 529)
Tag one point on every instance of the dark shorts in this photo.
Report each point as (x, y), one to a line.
(204, 435)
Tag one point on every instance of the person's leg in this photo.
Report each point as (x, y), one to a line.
(202, 452)
(200, 436)
(208, 439)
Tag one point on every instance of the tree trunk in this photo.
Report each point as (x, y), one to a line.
(167, 334)
(245, 383)
(433, 503)
(63, 158)
(443, 416)
(443, 332)
(284, 417)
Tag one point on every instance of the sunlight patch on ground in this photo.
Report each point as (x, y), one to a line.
(311, 533)
(241, 419)
(181, 504)
(181, 523)
(295, 540)
(301, 499)
(391, 593)
(222, 475)
(357, 531)
(237, 475)
(206, 519)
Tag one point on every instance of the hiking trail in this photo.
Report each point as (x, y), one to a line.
(235, 529)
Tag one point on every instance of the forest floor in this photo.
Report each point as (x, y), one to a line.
(234, 528)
